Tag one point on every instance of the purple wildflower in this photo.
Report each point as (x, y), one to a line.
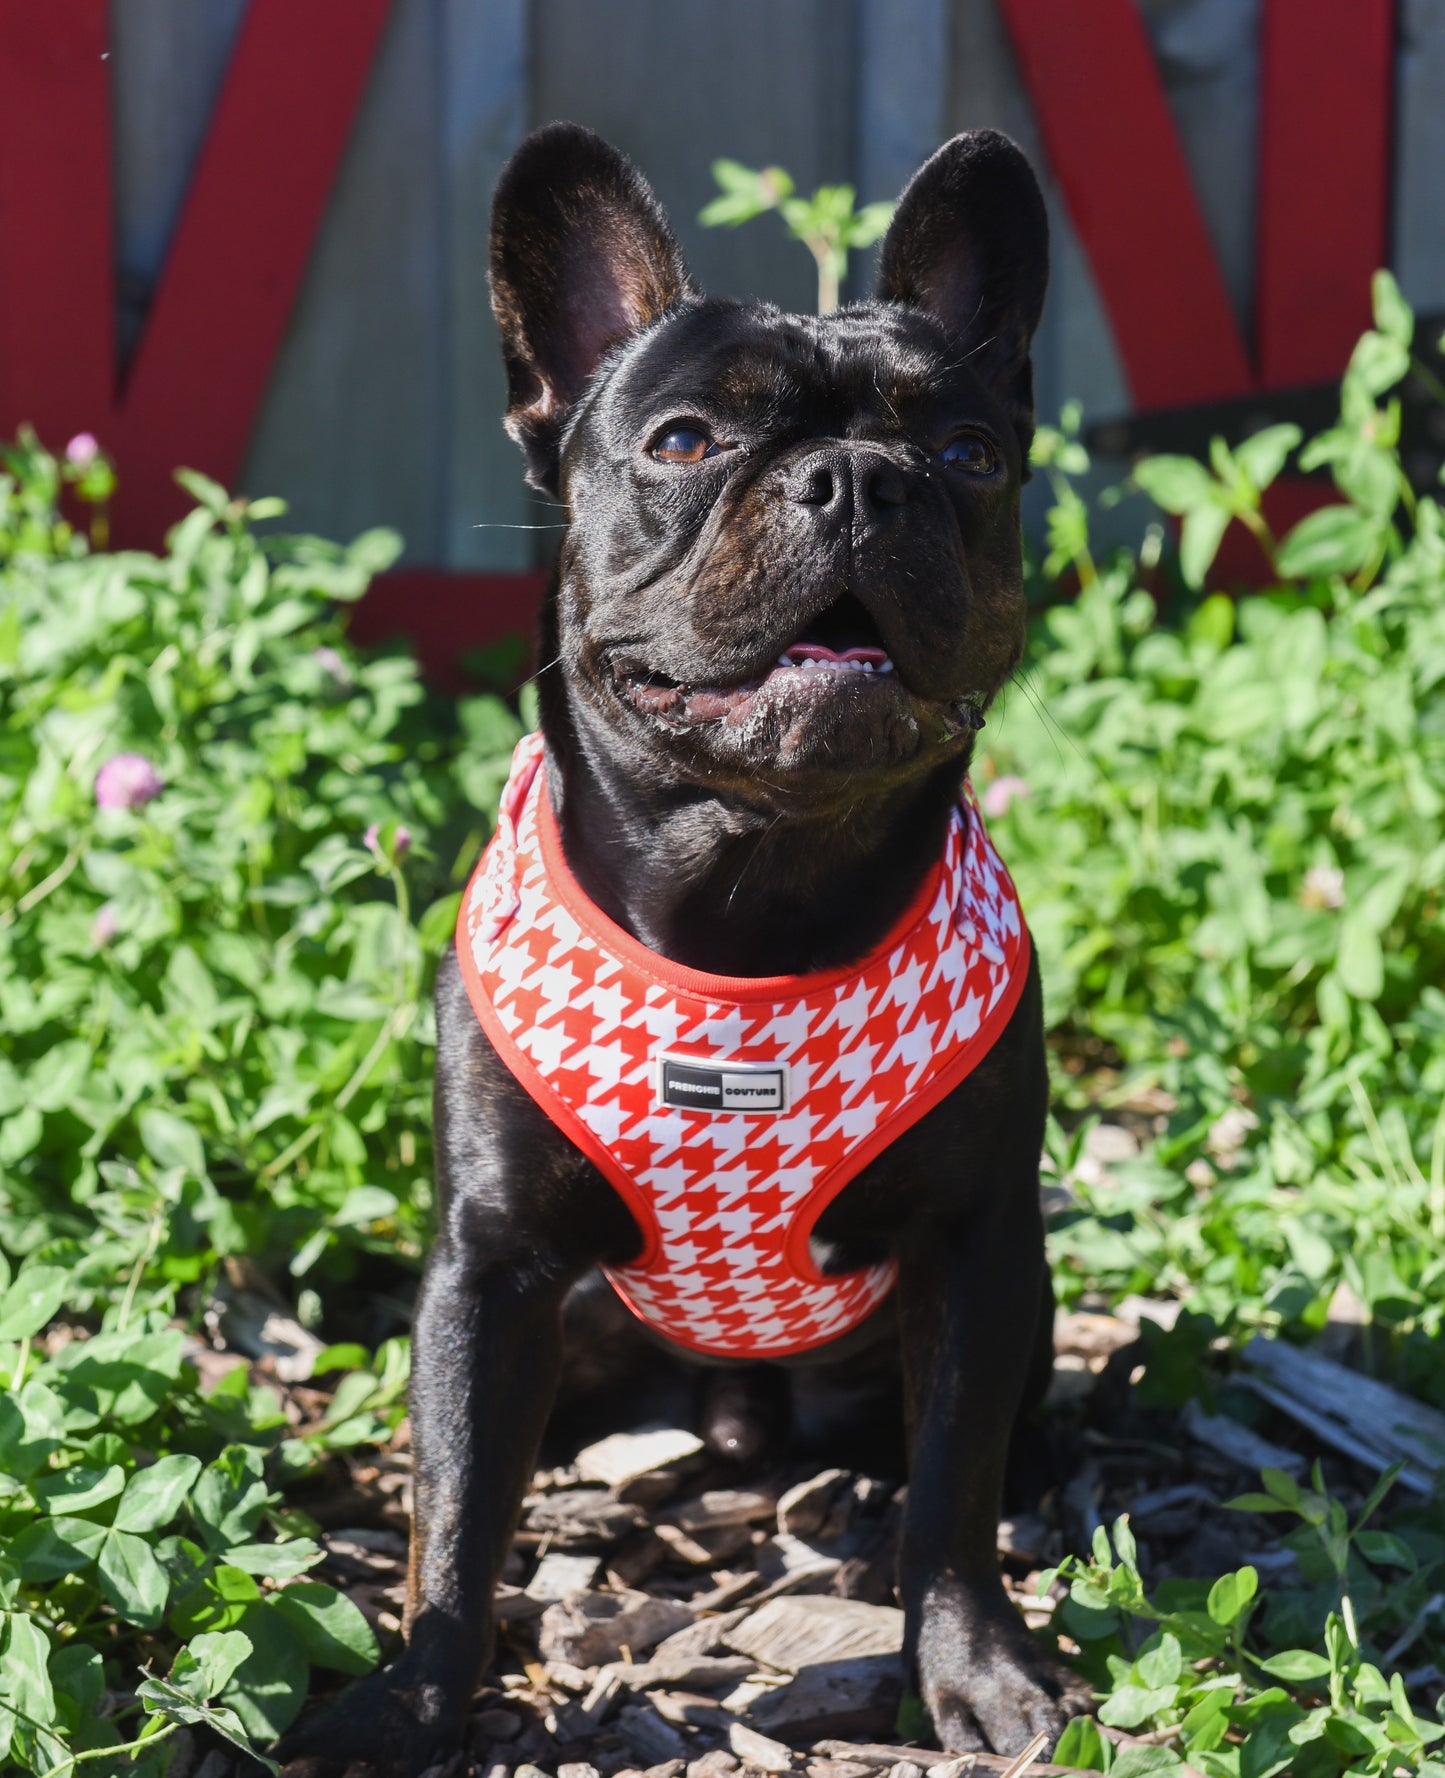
(371, 839)
(82, 450)
(127, 781)
(103, 927)
(1001, 793)
(331, 662)
(403, 842)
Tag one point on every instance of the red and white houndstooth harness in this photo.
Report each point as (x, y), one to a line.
(729, 1111)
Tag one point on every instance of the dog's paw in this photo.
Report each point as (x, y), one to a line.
(385, 1726)
(990, 1685)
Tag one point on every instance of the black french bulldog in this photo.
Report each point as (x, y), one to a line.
(739, 481)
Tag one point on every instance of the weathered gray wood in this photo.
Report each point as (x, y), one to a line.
(484, 73)
(762, 81)
(168, 59)
(790, 1633)
(351, 429)
(1364, 1418)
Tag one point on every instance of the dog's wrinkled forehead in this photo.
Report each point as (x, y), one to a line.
(768, 369)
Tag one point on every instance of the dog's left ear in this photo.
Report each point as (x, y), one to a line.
(581, 257)
(969, 243)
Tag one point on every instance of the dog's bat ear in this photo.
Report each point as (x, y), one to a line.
(582, 256)
(969, 243)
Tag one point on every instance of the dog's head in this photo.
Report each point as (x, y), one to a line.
(793, 559)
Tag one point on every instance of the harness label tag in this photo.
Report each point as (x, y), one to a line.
(689, 1084)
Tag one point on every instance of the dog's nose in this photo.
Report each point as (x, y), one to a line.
(848, 485)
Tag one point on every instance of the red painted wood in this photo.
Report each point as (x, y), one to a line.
(57, 279)
(1114, 150)
(1325, 102)
(254, 205)
(446, 614)
(241, 246)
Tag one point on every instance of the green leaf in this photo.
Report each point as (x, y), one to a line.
(155, 1494)
(1360, 957)
(170, 1141)
(1383, 1547)
(1297, 1665)
(1199, 541)
(1082, 1745)
(277, 1561)
(1334, 540)
(331, 1628)
(204, 1667)
(1178, 484)
(268, 1688)
(1146, 1762)
(1263, 453)
(1134, 1706)
(25, 1670)
(79, 1488)
(131, 1579)
(1393, 315)
(1230, 1594)
(32, 1301)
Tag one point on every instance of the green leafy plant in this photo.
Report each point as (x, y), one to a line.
(829, 224)
(1194, 1668)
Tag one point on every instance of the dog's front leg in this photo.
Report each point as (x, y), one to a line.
(488, 1351)
(968, 1300)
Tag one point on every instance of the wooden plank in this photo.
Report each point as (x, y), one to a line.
(244, 239)
(1170, 312)
(903, 67)
(1323, 182)
(57, 368)
(167, 63)
(485, 73)
(794, 1632)
(676, 86)
(1359, 1415)
(352, 428)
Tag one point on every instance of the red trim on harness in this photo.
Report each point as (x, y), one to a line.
(726, 1193)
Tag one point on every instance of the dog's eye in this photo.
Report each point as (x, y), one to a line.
(972, 453)
(684, 444)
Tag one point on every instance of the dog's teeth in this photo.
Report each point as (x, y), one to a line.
(785, 660)
(885, 666)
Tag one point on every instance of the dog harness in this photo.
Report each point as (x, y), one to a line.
(728, 1112)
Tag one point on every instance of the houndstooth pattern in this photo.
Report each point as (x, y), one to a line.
(581, 1022)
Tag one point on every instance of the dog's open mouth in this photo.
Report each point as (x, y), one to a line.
(839, 652)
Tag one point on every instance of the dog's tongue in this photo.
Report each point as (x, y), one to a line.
(815, 651)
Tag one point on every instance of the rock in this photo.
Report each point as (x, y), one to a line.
(577, 1769)
(702, 1672)
(802, 1510)
(649, 1736)
(792, 1632)
(754, 1749)
(707, 1548)
(906, 1768)
(669, 1768)
(591, 1629)
(723, 1506)
(839, 1768)
(559, 1574)
(626, 1456)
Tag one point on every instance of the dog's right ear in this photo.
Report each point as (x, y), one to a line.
(582, 256)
